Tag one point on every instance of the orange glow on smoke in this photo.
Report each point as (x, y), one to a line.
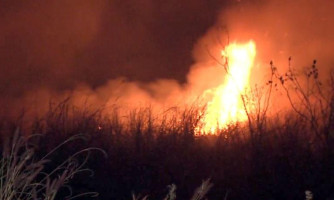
(226, 105)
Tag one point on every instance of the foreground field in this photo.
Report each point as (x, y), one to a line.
(284, 156)
(281, 160)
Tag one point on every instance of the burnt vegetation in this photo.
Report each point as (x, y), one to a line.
(269, 157)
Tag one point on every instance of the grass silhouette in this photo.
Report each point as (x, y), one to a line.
(268, 157)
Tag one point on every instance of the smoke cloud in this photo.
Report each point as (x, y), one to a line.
(148, 52)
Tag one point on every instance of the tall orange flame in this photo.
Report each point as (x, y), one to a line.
(226, 105)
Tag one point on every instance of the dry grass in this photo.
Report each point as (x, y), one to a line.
(267, 158)
(22, 175)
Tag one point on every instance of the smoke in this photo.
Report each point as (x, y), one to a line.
(54, 48)
(149, 52)
(302, 29)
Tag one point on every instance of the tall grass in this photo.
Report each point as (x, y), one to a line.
(24, 176)
(269, 157)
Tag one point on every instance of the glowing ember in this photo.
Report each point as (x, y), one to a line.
(226, 105)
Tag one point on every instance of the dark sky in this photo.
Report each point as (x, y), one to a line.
(60, 43)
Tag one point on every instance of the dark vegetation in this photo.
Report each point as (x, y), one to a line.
(276, 157)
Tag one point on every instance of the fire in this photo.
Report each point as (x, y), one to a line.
(226, 105)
